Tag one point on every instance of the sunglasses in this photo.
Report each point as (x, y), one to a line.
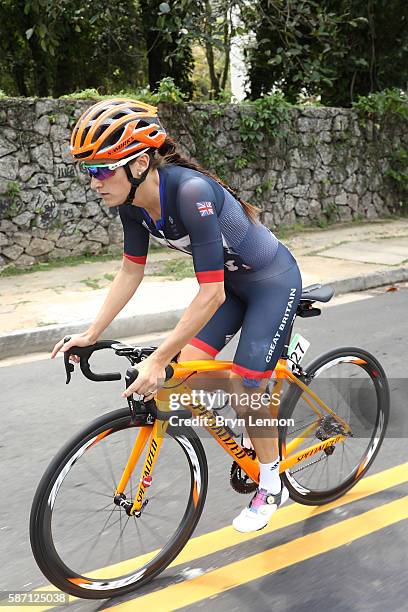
(105, 171)
(100, 172)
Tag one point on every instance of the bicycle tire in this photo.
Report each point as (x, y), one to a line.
(300, 492)
(41, 532)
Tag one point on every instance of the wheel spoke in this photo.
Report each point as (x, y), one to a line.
(349, 390)
(84, 530)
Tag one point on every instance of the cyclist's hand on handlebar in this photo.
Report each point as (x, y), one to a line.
(151, 374)
(83, 339)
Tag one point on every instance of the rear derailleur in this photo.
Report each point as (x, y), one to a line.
(329, 427)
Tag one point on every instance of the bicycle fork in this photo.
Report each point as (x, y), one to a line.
(156, 434)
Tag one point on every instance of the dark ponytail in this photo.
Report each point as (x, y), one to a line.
(168, 154)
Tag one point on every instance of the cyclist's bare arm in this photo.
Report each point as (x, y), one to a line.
(123, 287)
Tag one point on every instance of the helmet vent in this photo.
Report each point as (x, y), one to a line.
(81, 155)
(114, 137)
(120, 115)
(99, 131)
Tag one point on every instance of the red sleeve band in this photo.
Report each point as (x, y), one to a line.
(140, 260)
(213, 276)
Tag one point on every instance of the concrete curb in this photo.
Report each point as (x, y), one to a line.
(38, 339)
(369, 281)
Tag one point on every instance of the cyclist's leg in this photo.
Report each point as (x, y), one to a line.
(222, 326)
(219, 330)
(271, 305)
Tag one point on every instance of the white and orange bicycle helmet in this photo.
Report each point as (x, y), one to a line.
(117, 129)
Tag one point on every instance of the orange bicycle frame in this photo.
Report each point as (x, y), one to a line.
(155, 433)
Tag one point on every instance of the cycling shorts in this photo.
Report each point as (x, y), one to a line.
(263, 306)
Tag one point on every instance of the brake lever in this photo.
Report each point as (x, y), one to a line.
(84, 353)
(69, 367)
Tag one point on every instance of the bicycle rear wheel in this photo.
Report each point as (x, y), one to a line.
(353, 384)
(89, 547)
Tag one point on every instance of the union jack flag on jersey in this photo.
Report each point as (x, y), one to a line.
(205, 208)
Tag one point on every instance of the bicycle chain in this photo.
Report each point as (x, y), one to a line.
(308, 465)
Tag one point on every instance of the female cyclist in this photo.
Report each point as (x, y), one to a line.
(247, 279)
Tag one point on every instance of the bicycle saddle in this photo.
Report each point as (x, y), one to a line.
(317, 293)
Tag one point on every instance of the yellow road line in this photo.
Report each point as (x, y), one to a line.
(257, 566)
(226, 537)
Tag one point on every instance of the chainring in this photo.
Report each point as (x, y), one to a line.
(240, 481)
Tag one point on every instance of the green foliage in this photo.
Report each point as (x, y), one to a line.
(335, 49)
(399, 169)
(167, 91)
(50, 47)
(383, 103)
(13, 190)
(12, 205)
(240, 163)
(85, 94)
(168, 51)
(330, 51)
(331, 213)
(261, 121)
(92, 283)
(293, 39)
(263, 188)
(204, 23)
(208, 152)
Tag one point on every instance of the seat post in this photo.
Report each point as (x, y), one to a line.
(288, 339)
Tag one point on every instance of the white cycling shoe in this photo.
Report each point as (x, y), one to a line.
(257, 515)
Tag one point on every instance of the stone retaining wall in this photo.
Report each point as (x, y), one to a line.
(326, 167)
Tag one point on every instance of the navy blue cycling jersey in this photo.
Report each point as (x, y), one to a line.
(262, 280)
(199, 217)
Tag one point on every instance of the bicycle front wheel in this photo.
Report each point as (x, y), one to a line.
(89, 547)
(352, 383)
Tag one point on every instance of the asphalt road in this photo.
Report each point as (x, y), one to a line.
(369, 572)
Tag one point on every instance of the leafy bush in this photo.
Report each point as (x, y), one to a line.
(166, 92)
(382, 103)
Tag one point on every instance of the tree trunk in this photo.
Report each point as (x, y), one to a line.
(209, 52)
(227, 47)
(18, 76)
(39, 59)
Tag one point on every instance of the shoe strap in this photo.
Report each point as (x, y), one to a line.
(274, 498)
